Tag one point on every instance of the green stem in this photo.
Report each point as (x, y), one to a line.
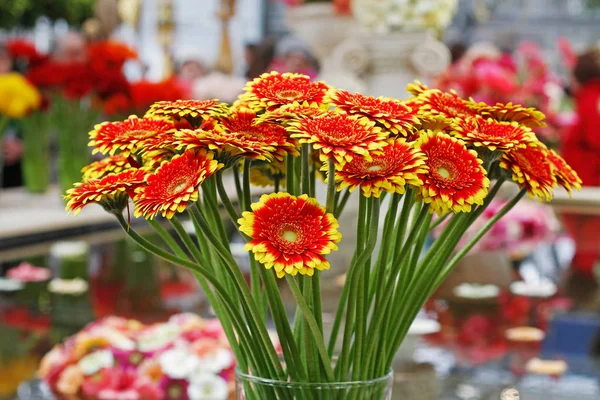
(485, 229)
(233, 214)
(246, 185)
(339, 208)
(290, 176)
(330, 203)
(166, 236)
(238, 184)
(248, 301)
(314, 328)
(305, 169)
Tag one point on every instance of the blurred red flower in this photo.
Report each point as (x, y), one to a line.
(21, 49)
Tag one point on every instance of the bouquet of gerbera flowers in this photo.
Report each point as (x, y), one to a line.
(115, 358)
(432, 154)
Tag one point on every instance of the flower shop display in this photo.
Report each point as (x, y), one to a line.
(115, 358)
(434, 153)
(488, 75)
(78, 92)
(17, 98)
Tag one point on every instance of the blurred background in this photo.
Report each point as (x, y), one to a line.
(528, 291)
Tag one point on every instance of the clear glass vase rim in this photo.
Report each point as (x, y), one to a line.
(269, 381)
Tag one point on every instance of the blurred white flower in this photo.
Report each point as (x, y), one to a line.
(216, 361)
(69, 249)
(96, 361)
(178, 363)
(208, 387)
(10, 285)
(73, 287)
(381, 16)
(157, 337)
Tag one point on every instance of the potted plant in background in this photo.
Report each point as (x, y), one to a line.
(434, 154)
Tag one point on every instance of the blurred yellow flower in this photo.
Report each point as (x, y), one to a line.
(17, 96)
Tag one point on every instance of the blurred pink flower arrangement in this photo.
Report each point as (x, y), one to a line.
(523, 228)
(26, 272)
(114, 358)
(486, 74)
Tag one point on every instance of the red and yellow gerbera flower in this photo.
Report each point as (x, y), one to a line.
(108, 165)
(243, 124)
(290, 234)
(339, 135)
(272, 90)
(565, 175)
(456, 179)
(416, 88)
(448, 104)
(129, 136)
(239, 136)
(531, 169)
(294, 111)
(393, 114)
(493, 134)
(389, 169)
(184, 108)
(111, 191)
(529, 117)
(174, 184)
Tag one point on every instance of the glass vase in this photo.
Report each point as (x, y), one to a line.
(249, 387)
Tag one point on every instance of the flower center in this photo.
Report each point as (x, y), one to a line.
(178, 186)
(137, 133)
(289, 94)
(444, 173)
(289, 236)
(374, 168)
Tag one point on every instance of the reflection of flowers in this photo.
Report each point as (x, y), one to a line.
(26, 272)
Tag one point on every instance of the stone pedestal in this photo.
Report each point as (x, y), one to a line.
(375, 64)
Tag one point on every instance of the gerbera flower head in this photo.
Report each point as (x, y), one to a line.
(532, 170)
(111, 191)
(339, 135)
(565, 175)
(108, 165)
(129, 136)
(529, 117)
(188, 108)
(389, 169)
(244, 125)
(272, 90)
(416, 88)
(239, 136)
(174, 184)
(294, 111)
(493, 134)
(290, 234)
(456, 179)
(263, 173)
(393, 114)
(448, 104)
